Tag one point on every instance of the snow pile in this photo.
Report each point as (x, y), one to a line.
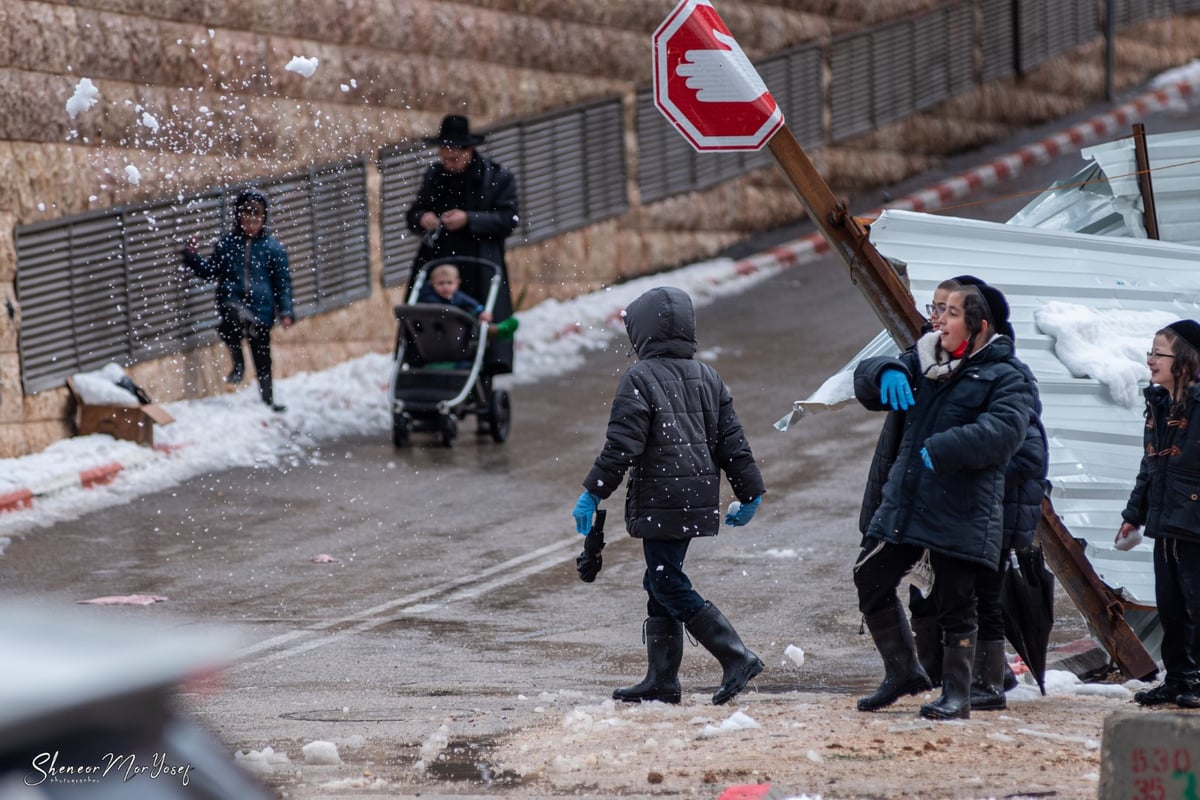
(436, 743)
(101, 387)
(261, 762)
(738, 721)
(321, 752)
(1108, 345)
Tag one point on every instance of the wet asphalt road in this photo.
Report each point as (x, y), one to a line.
(455, 591)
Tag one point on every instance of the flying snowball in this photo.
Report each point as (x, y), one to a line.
(150, 121)
(132, 174)
(86, 95)
(303, 66)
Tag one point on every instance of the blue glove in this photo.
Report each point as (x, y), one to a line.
(585, 508)
(743, 514)
(895, 391)
(925, 457)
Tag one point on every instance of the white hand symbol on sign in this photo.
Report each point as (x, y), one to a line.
(721, 76)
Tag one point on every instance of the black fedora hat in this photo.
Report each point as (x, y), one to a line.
(455, 132)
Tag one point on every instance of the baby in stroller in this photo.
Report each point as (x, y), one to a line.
(443, 286)
(438, 373)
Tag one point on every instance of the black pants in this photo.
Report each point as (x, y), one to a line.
(232, 330)
(987, 602)
(1177, 593)
(669, 589)
(881, 566)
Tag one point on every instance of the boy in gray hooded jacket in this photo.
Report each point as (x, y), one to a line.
(674, 430)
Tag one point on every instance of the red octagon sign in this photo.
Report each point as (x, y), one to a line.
(705, 84)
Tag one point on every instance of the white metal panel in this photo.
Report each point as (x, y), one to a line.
(1104, 197)
(1095, 442)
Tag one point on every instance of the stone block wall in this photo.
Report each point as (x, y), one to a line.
(222, 108)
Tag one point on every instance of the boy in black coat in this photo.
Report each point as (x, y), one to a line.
(674, 430)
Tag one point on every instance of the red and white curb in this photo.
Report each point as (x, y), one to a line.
(22, 498)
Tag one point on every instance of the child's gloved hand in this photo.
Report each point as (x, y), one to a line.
(741, 513)
(585, 507)
(926, 460)
(895, 391)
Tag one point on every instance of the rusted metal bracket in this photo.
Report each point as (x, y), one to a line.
(868, 269)
(1099, 604)
(1145, 184)
(896, 309)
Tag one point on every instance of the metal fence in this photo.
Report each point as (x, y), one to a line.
(109, 286)
(106, 286)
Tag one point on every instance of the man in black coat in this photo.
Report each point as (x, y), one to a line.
(467, 206)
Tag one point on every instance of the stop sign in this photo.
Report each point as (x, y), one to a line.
(705, 84)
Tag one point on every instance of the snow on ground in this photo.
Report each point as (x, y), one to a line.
(236, 430)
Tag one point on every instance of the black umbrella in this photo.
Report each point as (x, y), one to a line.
(589, 562)
(1027, 603)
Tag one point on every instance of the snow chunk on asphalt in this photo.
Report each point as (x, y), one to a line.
(738, 721)
(302, 66)
(796, 654)
(261, 762)
(86, 95)
(320, 752)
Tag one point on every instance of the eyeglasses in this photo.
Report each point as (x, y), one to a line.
(935, 309)
(1153, 355)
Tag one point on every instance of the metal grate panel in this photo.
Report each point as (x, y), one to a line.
(850, 90)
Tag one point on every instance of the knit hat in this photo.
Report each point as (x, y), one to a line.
(997, 304)
(1188, 330)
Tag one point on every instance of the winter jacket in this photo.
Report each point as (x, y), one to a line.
(459, 299)
(972, 424)
(673, 428)
(1025, 486)
(1166, 494)
(488, 193)
(252, 275)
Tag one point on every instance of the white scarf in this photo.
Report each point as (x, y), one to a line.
(936, 363)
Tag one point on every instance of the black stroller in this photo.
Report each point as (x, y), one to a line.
(438, 370)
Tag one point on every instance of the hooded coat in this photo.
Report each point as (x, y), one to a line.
(252, 275)
(1166, 493)
(972, 423)
(672, 428)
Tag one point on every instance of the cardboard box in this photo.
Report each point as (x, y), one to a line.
(132, 423)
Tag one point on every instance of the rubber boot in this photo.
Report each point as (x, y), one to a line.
(1189, 695)
(740, 665)
(664, 652)
(928, 637)
(987, 690)
(957, 660)
(1166, 692)
(902, 670)
(1010, 678)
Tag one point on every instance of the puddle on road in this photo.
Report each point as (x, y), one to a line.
(469, 760)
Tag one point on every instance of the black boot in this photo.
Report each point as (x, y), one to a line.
(902, 671)
(664, 652)
(1166, 692)
(1010, 678)
(957, 660)
(1189, 695)
(928, 637)
(740, 666)
(236, 374)
(987, 690)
